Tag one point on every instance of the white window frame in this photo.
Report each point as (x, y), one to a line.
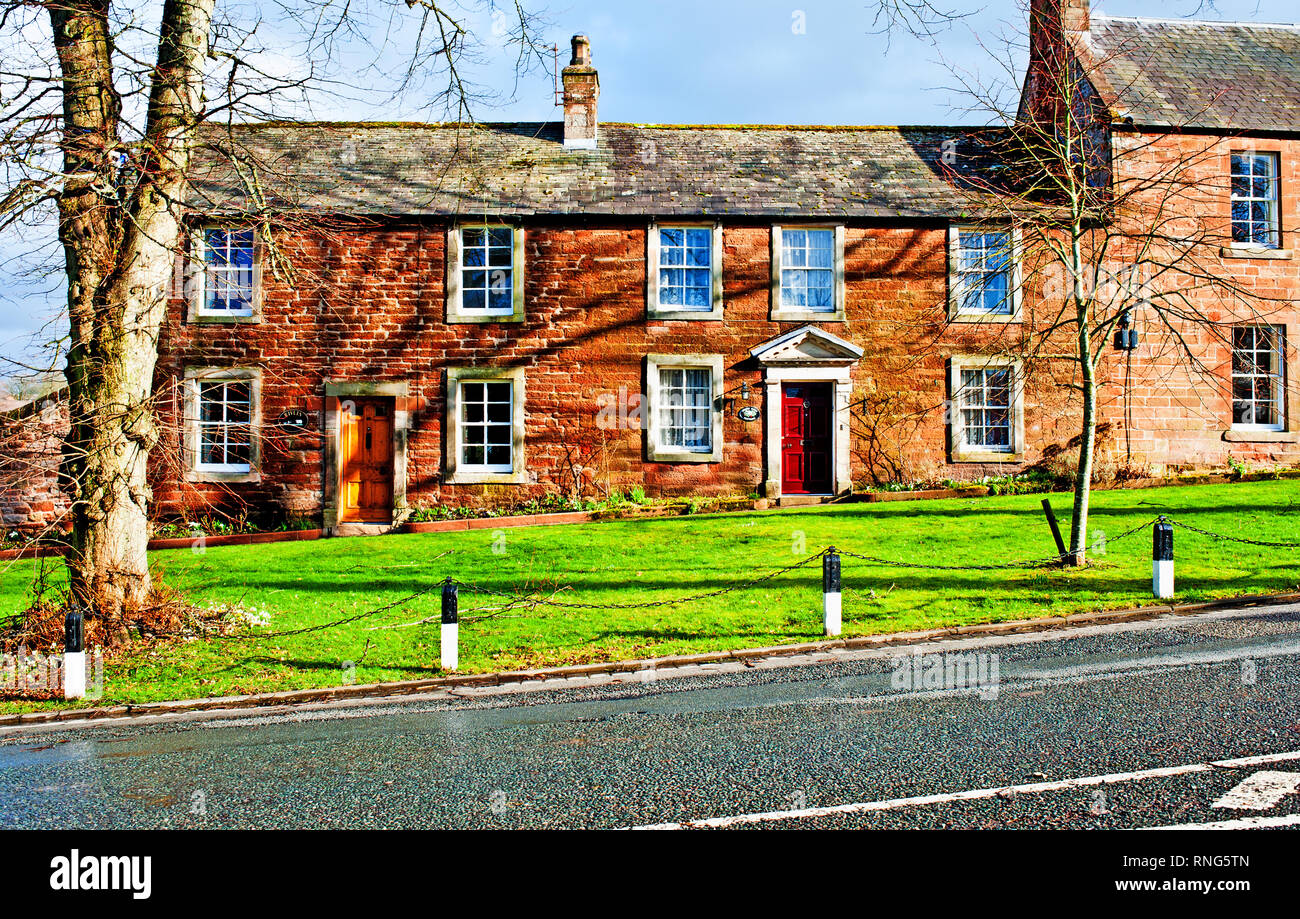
(464, 424)
(960, 451)
(456, 311)
(198, 278)
(459, 472)
(1274, 201)
(1278, 377)
(779, 311)
(957, 310)
(674, 312)
(197, 470)
(657, 450)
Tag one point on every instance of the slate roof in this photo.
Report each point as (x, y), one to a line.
(1191, 73)
(524, 170)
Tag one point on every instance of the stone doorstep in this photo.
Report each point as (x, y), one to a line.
(818, 651)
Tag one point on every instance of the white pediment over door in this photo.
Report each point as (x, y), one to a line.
(807, 346)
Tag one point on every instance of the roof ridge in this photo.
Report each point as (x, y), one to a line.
(1201, 22)
(739, 126)
(751, 126)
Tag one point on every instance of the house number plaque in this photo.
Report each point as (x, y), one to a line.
(748, 413)
(293, 420)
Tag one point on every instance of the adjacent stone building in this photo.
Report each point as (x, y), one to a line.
(31, 437)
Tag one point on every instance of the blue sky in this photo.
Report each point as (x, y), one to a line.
(741, 61)
(720, 61)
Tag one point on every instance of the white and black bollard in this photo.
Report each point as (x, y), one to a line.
(74, 655)
(831, 608)
(450, 626)
(1162, 559)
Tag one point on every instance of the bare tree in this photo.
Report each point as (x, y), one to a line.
(1114, 230)
(99, 114)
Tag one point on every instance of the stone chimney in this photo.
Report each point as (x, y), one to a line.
(1053, 24)
(581, 92)
(1076, 15)
(1071, 15)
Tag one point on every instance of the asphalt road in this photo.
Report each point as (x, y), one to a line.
(1050, 739)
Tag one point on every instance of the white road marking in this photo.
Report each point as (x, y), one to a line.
(1245, 823)
(1261, 792)
(1160, 662)
(978, 794)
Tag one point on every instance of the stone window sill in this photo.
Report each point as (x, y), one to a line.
(225, 478)
(486, 478)
(457, 318)
(972, 456)
(685, 315)
(218, 319)
(1254, 252)
(1002, 318)
(668, 456)
(807, 316)
(1262, 437)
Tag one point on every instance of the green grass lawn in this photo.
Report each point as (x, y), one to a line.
(306, 583)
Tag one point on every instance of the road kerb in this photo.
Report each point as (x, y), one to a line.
(379, 691)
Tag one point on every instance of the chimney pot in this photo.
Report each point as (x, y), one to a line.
(581, 51)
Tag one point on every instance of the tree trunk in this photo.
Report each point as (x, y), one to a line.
(1083, 303)
(120, 240)
(1087, 449)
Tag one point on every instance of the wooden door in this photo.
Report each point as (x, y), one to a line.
(367, 458)
(806, 446)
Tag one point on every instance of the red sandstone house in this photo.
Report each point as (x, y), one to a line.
(479, 316)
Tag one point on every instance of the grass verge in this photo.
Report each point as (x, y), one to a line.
(302, 584)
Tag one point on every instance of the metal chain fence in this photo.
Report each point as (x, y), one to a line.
(536, 599)
(650, 604)
(1237, 539)
(330, 625)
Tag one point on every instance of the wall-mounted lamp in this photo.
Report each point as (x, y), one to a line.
(1126, 339)
(744, 391)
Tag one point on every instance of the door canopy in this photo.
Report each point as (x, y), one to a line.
(807, 347)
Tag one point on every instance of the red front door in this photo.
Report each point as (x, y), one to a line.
(806, 439)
